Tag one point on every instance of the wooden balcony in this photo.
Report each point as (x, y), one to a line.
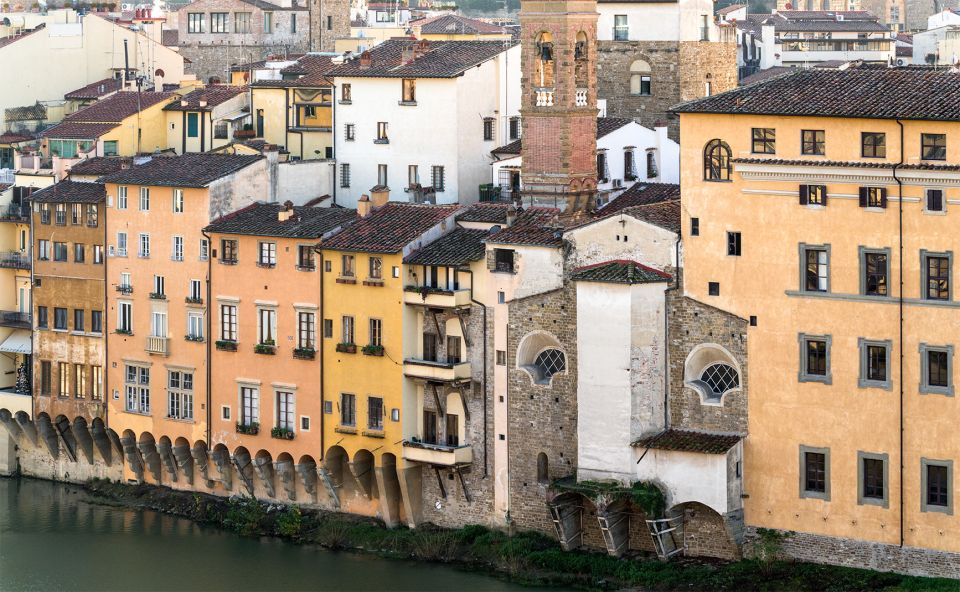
(158, 345)
(436, 371)
(434, 298)
(437, 454)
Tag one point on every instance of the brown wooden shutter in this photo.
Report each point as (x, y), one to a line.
(863, 197)
(883, 197)
(823, 194)
(804, 195)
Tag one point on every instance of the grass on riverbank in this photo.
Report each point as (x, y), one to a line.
(524, 557)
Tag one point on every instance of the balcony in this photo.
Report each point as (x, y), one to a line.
(581, 97)
(15, 260)
(436, 371)
(498, 193)
(125, 288)
(437, 454)
(436, 298)
(158, 345)
(18, 320)
(544, 97)
(15, 213)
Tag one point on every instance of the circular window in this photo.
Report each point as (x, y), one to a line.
(720, 378)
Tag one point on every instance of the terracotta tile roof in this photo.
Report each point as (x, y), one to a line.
(214, 95)
(117, 107)
(459, 247)
(441, 59)
(620, 271)
(262, 219)
(605, 126)
(765, 74)
(95, 90)
(640, 194)
(186, 170)
(268, 6)
(729, 9)
(390, 228)
(535, 226)
(101, 165)
(910, 92)
(4, 41)
(71, 192)
(170, 37)
(860, 164)
(454, 24)
(78, 130)
(488, 212)
(16, 137)
(689, 441)
(26, 113)
(664, 214)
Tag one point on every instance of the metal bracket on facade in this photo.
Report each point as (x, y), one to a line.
(665, 533)
(436, 323)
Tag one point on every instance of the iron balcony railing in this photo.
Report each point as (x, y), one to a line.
(15, 213)
(13, 318)
(15, 260)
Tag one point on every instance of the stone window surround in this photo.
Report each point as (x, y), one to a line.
(924, 254)
(804, 493)
(862, 380)
(923, 199)
(802, 249)
(925, 387)
(869, 501)
(802, 375)
(924, 507)
(861, 256)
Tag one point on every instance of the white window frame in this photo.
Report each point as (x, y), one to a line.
(144, 199)
(178, 201)
(177, 254)
(122, 197)
(143, 246)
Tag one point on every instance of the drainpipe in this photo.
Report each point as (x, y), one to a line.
(209, 327)
(900, 306)
(320, 271)
(104, 374)
(485, 434)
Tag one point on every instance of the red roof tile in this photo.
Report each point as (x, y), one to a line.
(95, 90)
(390, 228)
(213, 95)
(78, 130)
(118, 107)
(689, 441)
(535, 226)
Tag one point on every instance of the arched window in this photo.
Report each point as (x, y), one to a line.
(721, 378)
(580, 49)
(545, 63)
(711, 371)
(716, 161)
(640, 78)
(550, 362)
(540, 355)
(652, 171)
(543, 468)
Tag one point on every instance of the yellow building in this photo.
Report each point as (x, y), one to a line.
(157, 275)
(370, 408)
(206, 118)
(296, 111)
(820, 205)
(15, 304)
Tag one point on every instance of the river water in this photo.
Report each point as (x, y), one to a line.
(53, 538)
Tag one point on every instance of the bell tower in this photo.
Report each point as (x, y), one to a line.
(558, 104)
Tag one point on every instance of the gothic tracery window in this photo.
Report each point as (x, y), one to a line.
(716, 161)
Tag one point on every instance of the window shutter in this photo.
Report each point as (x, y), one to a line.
(804, 195)
(883, 197)
(863, 197)
(935, 200)
(823, 194)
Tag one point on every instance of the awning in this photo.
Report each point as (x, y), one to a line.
(19, 342)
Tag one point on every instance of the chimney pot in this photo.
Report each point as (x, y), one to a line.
(364, 206)
(379, 196)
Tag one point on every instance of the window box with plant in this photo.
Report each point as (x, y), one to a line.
(268, 347)
(304, 353)
(251, 429)
(424, 290)
(281, 433)
(123, 332)
(157, 296)
(196, 338)
(347, 348)
(191, 300)
(226, 345)
(373, 350)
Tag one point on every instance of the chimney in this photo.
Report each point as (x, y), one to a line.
(511, 215)
(287, 212)
(203, 102)
(380, 195)
(363, 206)
(184, 102)
(407, 54)
(366, 60)
(421, 48)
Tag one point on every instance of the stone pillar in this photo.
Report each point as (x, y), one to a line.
(49, 435)
(389, 487)
(26, 426)
(181, 452)
(9, 464)
(411, 487)
(264, 467)
(84, 440)
(102, 441)
(165, 451)
(285, 472)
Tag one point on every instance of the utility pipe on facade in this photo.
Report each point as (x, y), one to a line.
(900, 310)
(323, 411)
(209, 327)
(484, 383)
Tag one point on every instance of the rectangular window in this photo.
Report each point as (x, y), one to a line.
(936, 275)
(934, 201)
(514, 128)
(813, 142)
(937, 486)
(346, 334)
(61, 214)
(144, 251)
(382, 177)
(42, 317)
(815, 473)
(350, 132)
(453, 349)
(815, 262)
(177, 254)
(96, 384)
(121, 198)
(93, 215)
(121, 244)
(159, 286)
(60, 319)
(45, 212)
(733, 244)
(936, 369)
(329, 23)
(228, 322)
(306, 330)
(145, 199)
(98, 254)
(382, 135)
(764, 140)
(437, 178)
(328, 328)
(873, 197)
(45, 378)
(177, 201)
(503, 260)
(376, 268)
(501, 357)
(815, 358)
(110, 148)
(285, 411)
(158, 324)
(78, 319)
(195, 22)
(204, 249)
(249, 405)
(376, 332)
(59, 251)
(305, 258)
(874, 272)
(79, 252)
(293, 23)
(137, 387)
(346, 266)
(873, 479)
(409, 89)
(813, 195)
(80, 381)
(96, 321)
(345, 93)
(268, 254)
(218, 22)
(488, 127)
(873, 145)
(430, 347)
(694, 226)
(228, 251)
(267, 326)
(268, 22)
(345, 175)
(413, 175)
(180, 395)
(196, 294)
(125, 317)
(375, 413)
(64, 370)
(874, 363)
(43, 250)
(621, 27)
(348, 409)
(76, 214)
(429, 426)
(933, 146)
(241, 22)
(193, 125)
(195, 325)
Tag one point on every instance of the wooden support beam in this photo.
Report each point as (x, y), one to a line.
(443, 490)
(463, 329)
(463, 484)
(436, 397)
(463, 402)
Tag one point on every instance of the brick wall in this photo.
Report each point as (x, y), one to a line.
(329, 21)
(702, 61)
(215, 60)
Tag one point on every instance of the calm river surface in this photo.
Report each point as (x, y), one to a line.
(52, 538)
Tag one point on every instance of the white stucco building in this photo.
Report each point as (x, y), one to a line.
(421, 117)
(680, 20)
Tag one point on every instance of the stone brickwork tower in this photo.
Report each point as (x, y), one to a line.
(559, 101)
(329, 21)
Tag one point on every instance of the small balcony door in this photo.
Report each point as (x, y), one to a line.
(430, 427)
(453, 430)
(430, 347)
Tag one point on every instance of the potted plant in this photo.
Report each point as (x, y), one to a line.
(157, 296)
(189, 337)
(281, 433)
(304, 353)
(190, 300)
(250, 429)
(124, 332)
(226, 345)
(268, 347)
(373, 350)
(347, 348)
